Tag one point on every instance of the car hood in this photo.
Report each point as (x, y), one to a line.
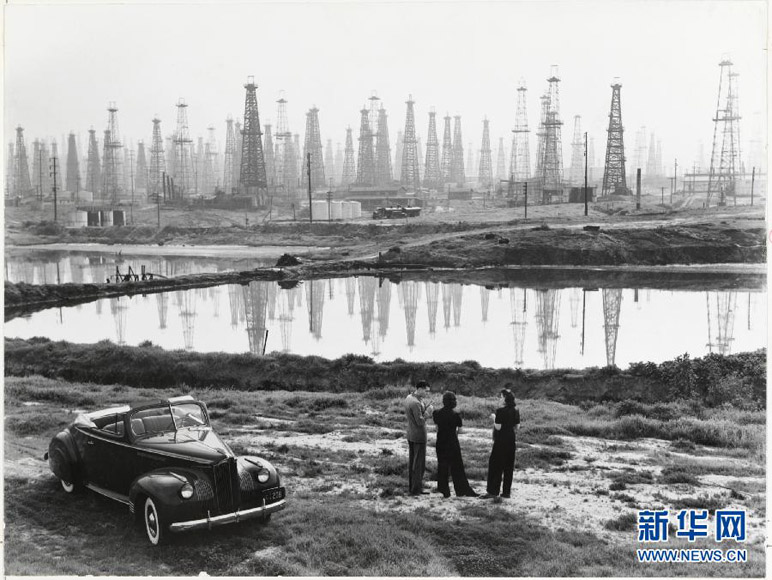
(202, 445)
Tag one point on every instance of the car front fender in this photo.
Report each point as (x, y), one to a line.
(163, 485)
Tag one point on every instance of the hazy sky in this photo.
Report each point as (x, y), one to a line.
(65, 62)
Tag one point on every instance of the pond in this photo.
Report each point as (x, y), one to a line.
(542, 328)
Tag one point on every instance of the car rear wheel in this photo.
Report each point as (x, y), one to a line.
(68, 486)
(154, 524)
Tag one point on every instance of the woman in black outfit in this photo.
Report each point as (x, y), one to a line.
(449, 450)
(502, 460)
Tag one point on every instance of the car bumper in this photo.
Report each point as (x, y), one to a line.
(231, 518)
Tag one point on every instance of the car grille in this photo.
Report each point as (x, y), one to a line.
(226, 485)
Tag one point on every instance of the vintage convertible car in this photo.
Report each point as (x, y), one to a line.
(165, 462)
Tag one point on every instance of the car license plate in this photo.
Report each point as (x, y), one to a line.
(274, 494)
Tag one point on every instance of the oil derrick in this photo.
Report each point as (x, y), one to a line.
(270, 156)
(517, 304)
(501, 162)
(446, 161)
(457, 294)
(198, 162)
(118, 308)
(10, 171)
(72, 183)
(552, 166)
(725, 156)
(432, 294)
(447, 305)
(411, 293)
(351, 289)
(315, 303)
(157, 162)
(141, 171)
(93, 168)
(236, 302)
(367, 287)
(339, 163)
(577, 154)
(286, 164)
(211, 181)
(573, 300)
(612, 301)
(230, 150)
(398, 154)
(255, 301)
(457, 174)
(349, 173)
(485, 172)
(614, 180)
(432, 176)
(409, 176)
(162, 302)
(170, 155)
(420, 151)
(383, 175)
(313, 145)
(651, 161)
(252, 175)
(186, 306)
(237, 155)
(21, 180)
(721, 325)
(547, 323)
(112, 170)
(329, 162)
(366, 161)
(485, 296)
(541, 134)
(128, 168)
(183, 169)
(591, 160)
(470, 164)
(520, 161)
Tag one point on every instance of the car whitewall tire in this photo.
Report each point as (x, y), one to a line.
(154, 526)
(67, 486)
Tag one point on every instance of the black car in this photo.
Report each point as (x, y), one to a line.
(164, 461)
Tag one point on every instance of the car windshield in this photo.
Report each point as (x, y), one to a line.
(167, 418)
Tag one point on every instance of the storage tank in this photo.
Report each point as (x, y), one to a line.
(356, 209)
(336, 210)
(319, 210)
(119, 217)
(346, 205)
(106, 218)
(80, 219)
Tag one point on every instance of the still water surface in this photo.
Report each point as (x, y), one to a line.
(422, 321)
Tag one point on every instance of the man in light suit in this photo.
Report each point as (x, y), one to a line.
(417, 412)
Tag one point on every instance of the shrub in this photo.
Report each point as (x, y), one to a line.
(623, 523)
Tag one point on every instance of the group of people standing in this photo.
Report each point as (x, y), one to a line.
(501, 464)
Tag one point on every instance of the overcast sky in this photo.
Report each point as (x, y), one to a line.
(65, 62)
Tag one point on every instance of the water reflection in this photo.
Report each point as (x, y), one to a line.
(520, 327)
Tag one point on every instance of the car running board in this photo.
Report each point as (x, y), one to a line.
(109, 494)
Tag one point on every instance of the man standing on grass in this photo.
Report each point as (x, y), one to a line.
(416, 413)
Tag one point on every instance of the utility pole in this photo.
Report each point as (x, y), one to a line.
(308, 169)
(585, 173)
(525, 191)
(663, 196)
(638, 189)
(675, 180)
(753, 180)
(53, 162)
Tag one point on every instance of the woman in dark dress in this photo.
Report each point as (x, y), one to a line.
(502, 461)
(449, 450)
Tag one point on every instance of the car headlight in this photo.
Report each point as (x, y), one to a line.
(263, 476)
(186, 491)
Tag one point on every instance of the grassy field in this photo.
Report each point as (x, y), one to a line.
(581, 472)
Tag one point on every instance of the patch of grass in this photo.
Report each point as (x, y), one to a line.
(623, 523)
(38, 425)
(677, 474)
(389, 465)
(541, 457)
(710, 502)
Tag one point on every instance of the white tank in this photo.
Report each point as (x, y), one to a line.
(106, 218)
(80, 219)
(336, 209)
(346, 205)
(356, 209)
(319, 210)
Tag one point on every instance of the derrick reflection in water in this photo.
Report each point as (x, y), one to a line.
(721, 310)
(255, 302)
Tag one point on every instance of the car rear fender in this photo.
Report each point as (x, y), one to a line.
(163, 484)
(63, 458)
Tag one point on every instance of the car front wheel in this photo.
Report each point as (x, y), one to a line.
(68, 486)
(154, 525)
